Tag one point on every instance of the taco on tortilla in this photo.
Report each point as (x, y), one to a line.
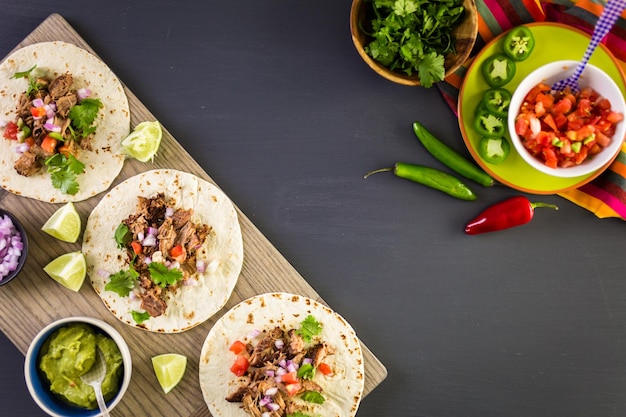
(63, 114)
(283, 355)
(164, 250)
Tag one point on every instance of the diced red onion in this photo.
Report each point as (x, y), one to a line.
(152, 231)
(103, 273)
(149, 241)
(51, 127)
(38, 102)
(83, 93)
(278, 379)
(291, 367)
(140, 236)
(169, 211)
(265, 401)
(173, 265)
(269, 373)
(280, 371)
(200, 266)
(266, 414)
(147, 260)
(307, 361)
(282, 363)
(254, 333)
(132, 296)
(273, 406)
(279, 343)
(3, 123)
(190, 282)
(12, 246)
(270, 392)
(22, 147)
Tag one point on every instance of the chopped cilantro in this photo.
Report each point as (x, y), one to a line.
(306, 371)
(313, 397)
(122, 282)
(33, 85)
(413, 36)
(140, 317)
(122, 236)
(162, 276)
(308, 328)
(84, 114)
(63, 171)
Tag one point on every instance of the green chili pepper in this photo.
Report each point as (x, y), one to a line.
(430, 177)
(488, 124)
(450, 158)
(494, 150)
(496, 101)
(519, 43)
(498, 70)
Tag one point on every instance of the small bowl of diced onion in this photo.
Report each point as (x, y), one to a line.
(13, 246)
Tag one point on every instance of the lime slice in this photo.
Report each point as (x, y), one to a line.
(169, 369)
(68, 270)
(64, 224)
(143, 142)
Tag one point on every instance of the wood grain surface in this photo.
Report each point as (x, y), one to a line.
(33, 300)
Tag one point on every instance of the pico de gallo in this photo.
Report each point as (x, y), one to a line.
(563, 129)
(278, 365)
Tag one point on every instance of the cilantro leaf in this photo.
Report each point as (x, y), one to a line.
(162, 276)
(308, 328)
(63, 171)
(84, 114)
(140, 317)
(313, 397)
(306, 371)
(122, 236)
(122, 282)
(431, 69)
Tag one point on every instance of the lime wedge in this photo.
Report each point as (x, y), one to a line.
(68, 270)
(64, 224)
(169, 369)
(143, 142)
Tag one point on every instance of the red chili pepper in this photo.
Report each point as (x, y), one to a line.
(514, 211)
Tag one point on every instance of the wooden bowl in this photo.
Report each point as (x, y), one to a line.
(464, 35)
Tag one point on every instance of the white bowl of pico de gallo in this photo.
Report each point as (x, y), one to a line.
(565, 134)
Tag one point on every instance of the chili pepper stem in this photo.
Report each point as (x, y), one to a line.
(539, 204)
(376, 171)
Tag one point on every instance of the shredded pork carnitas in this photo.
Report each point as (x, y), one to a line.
(269, 359)
(173, 230)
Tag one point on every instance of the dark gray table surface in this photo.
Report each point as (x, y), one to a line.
(271, 98)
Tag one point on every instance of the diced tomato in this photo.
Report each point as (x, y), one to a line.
(30, 141)
(325, 368)
(49, 144)
(38, 112)
(10, 131)
(176, 251)
(584, 108)
(293, 388)
(521, 126)
(136, 247)
(614, 117)
(562, 106)
(237, 347)
(289, 378)
(549, 156)
(602, 139)
(549, 120)
(240, 366)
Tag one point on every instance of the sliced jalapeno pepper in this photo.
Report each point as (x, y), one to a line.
(494, 150)
(496, 101)
(488, 124)
(519, 43)
(498, 70)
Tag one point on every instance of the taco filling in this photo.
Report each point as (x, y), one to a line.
(277, 367)
(160, 245)
(54, 124)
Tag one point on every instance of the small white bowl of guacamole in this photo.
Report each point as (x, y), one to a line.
(63, 351)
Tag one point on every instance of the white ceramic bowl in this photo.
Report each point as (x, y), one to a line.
(38, 385)
(592, 77)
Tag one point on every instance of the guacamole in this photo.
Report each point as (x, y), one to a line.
(69, 353)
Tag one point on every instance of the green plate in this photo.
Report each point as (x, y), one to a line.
(553, 42)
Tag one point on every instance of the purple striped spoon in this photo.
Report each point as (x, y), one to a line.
(607, 19)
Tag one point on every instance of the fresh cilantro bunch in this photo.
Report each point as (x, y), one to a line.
(413, 36)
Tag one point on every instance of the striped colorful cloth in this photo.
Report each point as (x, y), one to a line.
(605, 196)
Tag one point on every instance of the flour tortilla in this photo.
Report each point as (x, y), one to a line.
(343, 390)
(188, 306)
(104, 163)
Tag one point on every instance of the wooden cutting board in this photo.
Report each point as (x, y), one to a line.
(33, 300)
